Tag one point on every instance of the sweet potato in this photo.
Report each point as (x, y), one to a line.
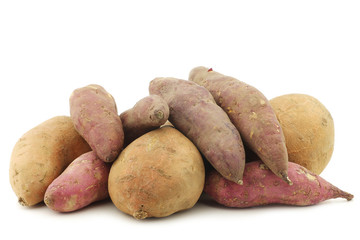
(252, 115)
(308, 129)
(261, 187)
(40, 156)
(94, 113)
(146, 115)
(83, 182)
(194, 112)
(158, 174)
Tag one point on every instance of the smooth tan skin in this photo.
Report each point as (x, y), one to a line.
(158, 174)
(40, 156)
(308, 128)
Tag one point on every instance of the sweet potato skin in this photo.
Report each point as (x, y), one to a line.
(158, 174)
(146, 115)
(252, 115)
(261, 187)
(94, 113)
(83, 182)
(194, 112)
(41, 155)
(308, 129)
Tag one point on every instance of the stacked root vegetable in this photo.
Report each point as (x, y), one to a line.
(210, 134)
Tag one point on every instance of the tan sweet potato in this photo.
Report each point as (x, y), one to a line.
(308, 128)
(158, 174)
(146, 115)
(94, 114)
(194, 112)
(252, 115)
(83, 182)
(40, 156)
(261, 187)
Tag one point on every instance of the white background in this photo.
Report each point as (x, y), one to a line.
(49, 48)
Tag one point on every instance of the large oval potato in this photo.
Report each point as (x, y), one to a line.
(158, 174)
(40, 156)
(308, 128)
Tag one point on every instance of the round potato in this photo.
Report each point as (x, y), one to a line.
(158, 174)
(308, 128)
(41, 155)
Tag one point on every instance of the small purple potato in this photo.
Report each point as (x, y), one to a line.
(147, 114)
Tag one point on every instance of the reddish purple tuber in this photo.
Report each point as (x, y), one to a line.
(262, 187)
(83, 182)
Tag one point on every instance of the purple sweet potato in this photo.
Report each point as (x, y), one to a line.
(94, 114)
(83, 182)
(194, 112)
(146, 115)
(262, 187)
(252, 115)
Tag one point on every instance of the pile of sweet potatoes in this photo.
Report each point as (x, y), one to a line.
(209, 135)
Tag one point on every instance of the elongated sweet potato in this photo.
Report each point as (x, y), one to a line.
(41, 155)
(252, 115)
(261, 187)
(94, 113)
(83, 182)
(158, 174)
(147, 114)
(194, 112)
